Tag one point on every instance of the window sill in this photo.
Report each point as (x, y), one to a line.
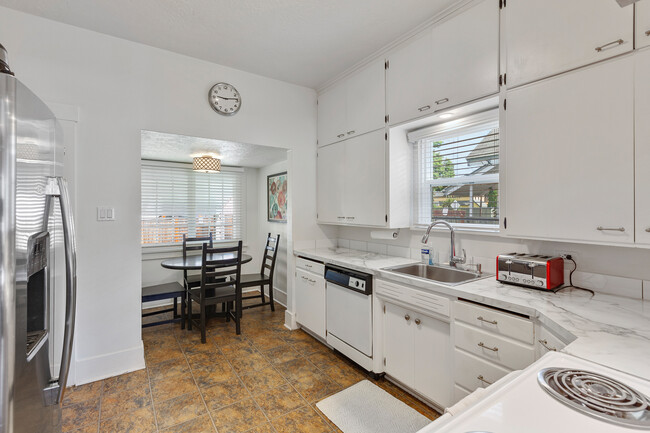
(491, 231)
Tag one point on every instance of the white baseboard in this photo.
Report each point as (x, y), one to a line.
(290, 320)
(108, 365)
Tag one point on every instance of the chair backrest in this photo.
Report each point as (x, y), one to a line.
(195, 244)
(270, 254)
(219, 271)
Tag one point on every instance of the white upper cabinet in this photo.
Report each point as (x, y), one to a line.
(642, 23)
(466, 56)
(546, 37)
(354, 106)
(642, 140)
(455, 62)
(569, 156)
(352, 181)
(409, 80)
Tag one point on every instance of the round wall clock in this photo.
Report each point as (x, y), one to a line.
(224, 99)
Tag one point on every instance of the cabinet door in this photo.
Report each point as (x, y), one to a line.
(409, 80)
(432, 359)
(546, 37)
(366, 99)
(365, 180)
(398, 344)
(332, 114)
(330, 178)
(310, 302)
(570, 156)
(466, 56)
(642, 140)
(642, 23)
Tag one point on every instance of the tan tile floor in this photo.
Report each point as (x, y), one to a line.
(267, 380)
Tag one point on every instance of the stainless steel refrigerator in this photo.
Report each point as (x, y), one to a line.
(37, 262)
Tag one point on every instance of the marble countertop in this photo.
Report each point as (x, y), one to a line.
(609, 330)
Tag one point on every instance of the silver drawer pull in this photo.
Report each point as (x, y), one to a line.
(340, 136)
(349, 218)
(483, 346)
(424, 108)
(610, 229)
(648, 229)
(304, 278)
(491, 322)
(647, 33)
(545, 344)
(407, 317)
(341, 218)
(351, 132)
(442, 101)
(311, 281)
(418, 321)
(307, 266)
(602, 47)
(482, 379)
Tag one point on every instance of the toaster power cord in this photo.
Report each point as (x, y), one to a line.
(575, 266)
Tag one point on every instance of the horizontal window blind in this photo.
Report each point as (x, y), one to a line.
(457, 172)
(177, 200)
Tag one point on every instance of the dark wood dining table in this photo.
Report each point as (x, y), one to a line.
(194, 263)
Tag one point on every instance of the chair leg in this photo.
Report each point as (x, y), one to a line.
(262, 293)
(227, 311)
(202, 323)
(175, 315)
(183, 311)
(238, 316)
(189, 312)
(271, 296)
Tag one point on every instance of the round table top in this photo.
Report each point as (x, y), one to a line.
(195, 262)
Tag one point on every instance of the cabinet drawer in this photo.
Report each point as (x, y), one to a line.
(416, 298)
(492, 347)
(495, 321)
(548, 342)
(311, 266)
(472, 372)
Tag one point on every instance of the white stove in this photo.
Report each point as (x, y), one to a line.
(558, 393)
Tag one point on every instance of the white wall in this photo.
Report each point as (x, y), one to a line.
(627, 266)
(265, 227)
(121, 88)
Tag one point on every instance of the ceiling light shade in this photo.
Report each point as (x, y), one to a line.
(207, 164)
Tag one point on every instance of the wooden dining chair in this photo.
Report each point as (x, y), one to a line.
(220, 284)
(191, 280)
(261, 279)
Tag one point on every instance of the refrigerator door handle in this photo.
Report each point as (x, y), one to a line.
(57, 187)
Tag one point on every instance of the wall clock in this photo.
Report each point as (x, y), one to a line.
(224, 99)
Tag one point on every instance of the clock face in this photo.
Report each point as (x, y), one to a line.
(224, 99)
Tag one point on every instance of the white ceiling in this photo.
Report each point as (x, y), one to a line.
(181, 148)
(306, 42)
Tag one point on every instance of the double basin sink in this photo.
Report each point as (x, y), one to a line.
(438, 274)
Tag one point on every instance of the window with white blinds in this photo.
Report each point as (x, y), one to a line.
(177, 200)
(456, 174)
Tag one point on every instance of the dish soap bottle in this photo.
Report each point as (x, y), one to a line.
(425, 255)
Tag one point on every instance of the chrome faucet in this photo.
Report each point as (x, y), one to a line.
(453, 259)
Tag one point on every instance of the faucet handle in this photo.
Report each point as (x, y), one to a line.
(461, 260)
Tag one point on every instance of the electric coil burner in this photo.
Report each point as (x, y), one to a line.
(598, 396)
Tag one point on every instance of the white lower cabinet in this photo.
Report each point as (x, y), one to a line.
(547, 341)
(310, 301)
(642, 14)
(642, 143)
(417, 352)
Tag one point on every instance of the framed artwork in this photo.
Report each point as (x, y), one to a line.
(276, 203)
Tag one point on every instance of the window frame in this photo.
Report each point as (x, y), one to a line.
(163, 250)
(475, 121)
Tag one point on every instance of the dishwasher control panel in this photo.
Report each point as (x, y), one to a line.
(349, 279)
(357, 283)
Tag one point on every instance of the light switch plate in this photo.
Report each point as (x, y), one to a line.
(105, 213)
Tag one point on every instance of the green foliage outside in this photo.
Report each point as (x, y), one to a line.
(442, 168)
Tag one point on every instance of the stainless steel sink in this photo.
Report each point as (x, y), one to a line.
(438, 274)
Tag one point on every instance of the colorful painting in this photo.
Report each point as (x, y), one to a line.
(277, 197)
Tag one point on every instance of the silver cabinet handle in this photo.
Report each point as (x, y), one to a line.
(307, 266)
(647, 33)
(341, 218)
(602, 47)
(407, 317)
(349, 218)
(58, 187)
(483, 346)
(545, 344)
(491, 322)
(351, 132)
(340, 136)
(610, 229)
(311, 281)
(418, 321)
(482, 379)
(303, 277)
(442, 101)
(424, 108)
(648, 229)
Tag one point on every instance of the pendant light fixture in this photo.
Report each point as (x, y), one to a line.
(206, 164)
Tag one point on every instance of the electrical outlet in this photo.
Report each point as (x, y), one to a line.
(565, 254)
